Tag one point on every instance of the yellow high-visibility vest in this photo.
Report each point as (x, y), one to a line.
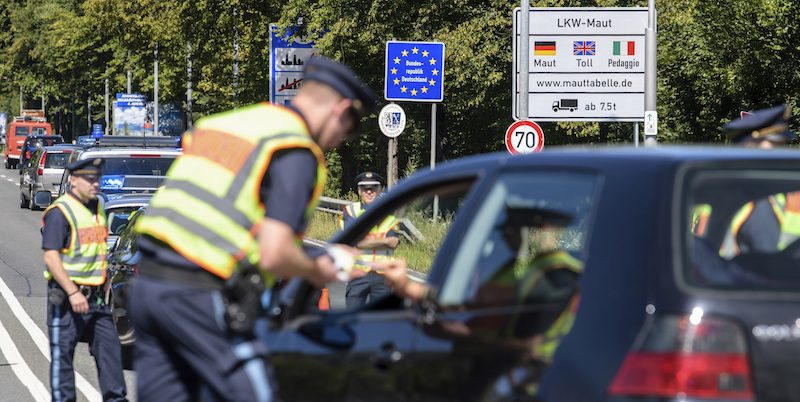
(85, 258)
(209, 209)
(377, 232)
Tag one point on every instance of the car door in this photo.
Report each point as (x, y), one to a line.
(505, 290)
(363, 353)
(27, 173)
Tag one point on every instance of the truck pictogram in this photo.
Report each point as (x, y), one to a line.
(565, 104)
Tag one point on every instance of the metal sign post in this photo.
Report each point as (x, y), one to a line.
(415, 73)
(650, 72)
(391, 121)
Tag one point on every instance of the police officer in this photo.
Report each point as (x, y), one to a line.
(233, 210)
(74, 236)
(765, 225)
(378, 245)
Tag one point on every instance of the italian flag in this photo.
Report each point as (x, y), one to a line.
(624, 48)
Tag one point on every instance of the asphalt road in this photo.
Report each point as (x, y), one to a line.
(24, 361)
(24, 344)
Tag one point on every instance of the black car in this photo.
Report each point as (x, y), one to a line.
(34, 141)
(656, 314)
(123, 263)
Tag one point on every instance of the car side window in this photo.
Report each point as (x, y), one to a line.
(420, 222)
(525, 244)
(34, 160)
(741, 229)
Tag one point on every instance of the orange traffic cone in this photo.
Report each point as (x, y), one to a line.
(324, 300)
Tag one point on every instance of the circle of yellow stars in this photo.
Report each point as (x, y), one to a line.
(431, 82)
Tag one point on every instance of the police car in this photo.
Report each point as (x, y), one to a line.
(132, 164)
(656, 314)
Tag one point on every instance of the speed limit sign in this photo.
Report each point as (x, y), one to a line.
(524, 137)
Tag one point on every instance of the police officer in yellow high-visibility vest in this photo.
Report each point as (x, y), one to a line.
(763, 225)
(234, 208)
(378, 245)
(74, 234)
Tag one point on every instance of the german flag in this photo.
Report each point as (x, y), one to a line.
(544, 48)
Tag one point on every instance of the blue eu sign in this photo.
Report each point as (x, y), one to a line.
(414, 71)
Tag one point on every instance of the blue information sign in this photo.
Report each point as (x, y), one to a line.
(414, 71)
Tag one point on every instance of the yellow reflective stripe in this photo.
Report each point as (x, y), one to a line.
(210, 209)
(730, 244)
(84, 263)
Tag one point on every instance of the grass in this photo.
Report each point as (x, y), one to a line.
(419, 254)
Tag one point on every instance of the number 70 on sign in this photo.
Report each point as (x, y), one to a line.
(524, 137)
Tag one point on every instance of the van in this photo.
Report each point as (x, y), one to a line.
(16, 133)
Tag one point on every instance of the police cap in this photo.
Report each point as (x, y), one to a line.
(369, 179)
(86, 167)
(343, 80)
(766, 124)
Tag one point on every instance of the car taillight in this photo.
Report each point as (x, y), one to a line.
(40, 169)
(688, 356)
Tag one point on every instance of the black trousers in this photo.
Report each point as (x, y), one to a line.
(361, 289)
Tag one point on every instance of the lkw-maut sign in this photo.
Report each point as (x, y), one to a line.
(586, 64)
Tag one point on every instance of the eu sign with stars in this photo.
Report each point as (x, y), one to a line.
(414, 71)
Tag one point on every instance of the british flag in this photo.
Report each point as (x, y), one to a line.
(583, 48)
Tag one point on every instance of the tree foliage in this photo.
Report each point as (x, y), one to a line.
(715, 59)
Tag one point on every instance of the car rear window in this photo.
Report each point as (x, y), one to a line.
(137, 165)
(56, 160)
(44, 142)
(740, 228)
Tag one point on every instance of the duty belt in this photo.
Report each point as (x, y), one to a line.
(196, 278)
(89, 290)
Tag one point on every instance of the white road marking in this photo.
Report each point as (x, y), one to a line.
(21, 369)
(41, 341)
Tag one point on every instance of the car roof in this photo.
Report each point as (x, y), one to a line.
(113, 151)
(126, 199)
(60, 147)
(590, 155)
(44, 136)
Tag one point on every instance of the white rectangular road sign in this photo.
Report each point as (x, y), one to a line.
(579, 83)
(287, 60)
(592, 56)
(586, 107)
(610, 54)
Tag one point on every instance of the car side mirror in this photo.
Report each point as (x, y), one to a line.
(42, 199)
(289, 300)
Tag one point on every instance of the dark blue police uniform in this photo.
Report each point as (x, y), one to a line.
(184, 350)
(67, 328)
(760, 231)
(243, 370)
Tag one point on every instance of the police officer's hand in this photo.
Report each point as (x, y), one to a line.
(395, 273)
(79, 303)
(325, 273)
